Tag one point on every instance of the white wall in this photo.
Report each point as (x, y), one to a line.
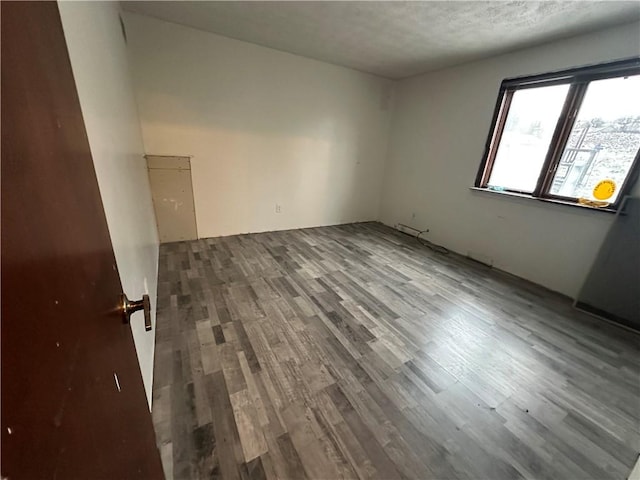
(264, 128)
(100, 67)
(439, 128)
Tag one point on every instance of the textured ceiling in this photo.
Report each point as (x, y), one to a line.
(394, 39)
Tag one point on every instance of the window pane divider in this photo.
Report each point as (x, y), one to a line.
(560, 136)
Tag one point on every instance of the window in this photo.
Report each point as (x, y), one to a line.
(571, 137)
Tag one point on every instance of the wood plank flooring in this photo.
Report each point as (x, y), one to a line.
(354, 352)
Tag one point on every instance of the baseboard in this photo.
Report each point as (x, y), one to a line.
(606, 316)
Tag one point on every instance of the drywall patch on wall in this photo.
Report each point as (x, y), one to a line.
(440, 126)
(172, 193)
(265, 128)
(100, 68)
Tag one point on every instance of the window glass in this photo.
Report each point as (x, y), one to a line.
(604, 139)
(530, 124)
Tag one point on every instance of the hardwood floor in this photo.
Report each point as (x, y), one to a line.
(354, 352)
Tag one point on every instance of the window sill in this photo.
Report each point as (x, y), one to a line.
(545, 200)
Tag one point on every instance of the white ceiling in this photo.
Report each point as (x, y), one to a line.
(394, 39)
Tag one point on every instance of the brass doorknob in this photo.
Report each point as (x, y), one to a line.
(127, 307)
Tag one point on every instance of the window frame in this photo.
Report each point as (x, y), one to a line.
(578, 80)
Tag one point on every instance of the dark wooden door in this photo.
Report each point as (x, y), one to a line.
(73, 402)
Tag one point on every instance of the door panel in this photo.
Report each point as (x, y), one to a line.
(73, 402)
(172, 192)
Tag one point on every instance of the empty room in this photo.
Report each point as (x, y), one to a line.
(320, 240)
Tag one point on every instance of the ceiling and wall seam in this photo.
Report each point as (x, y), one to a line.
(395, 40)
(160, 19)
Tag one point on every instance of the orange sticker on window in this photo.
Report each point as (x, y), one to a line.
(604, 189)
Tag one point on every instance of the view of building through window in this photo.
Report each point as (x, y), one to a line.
(604, 140)
(598, 147)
